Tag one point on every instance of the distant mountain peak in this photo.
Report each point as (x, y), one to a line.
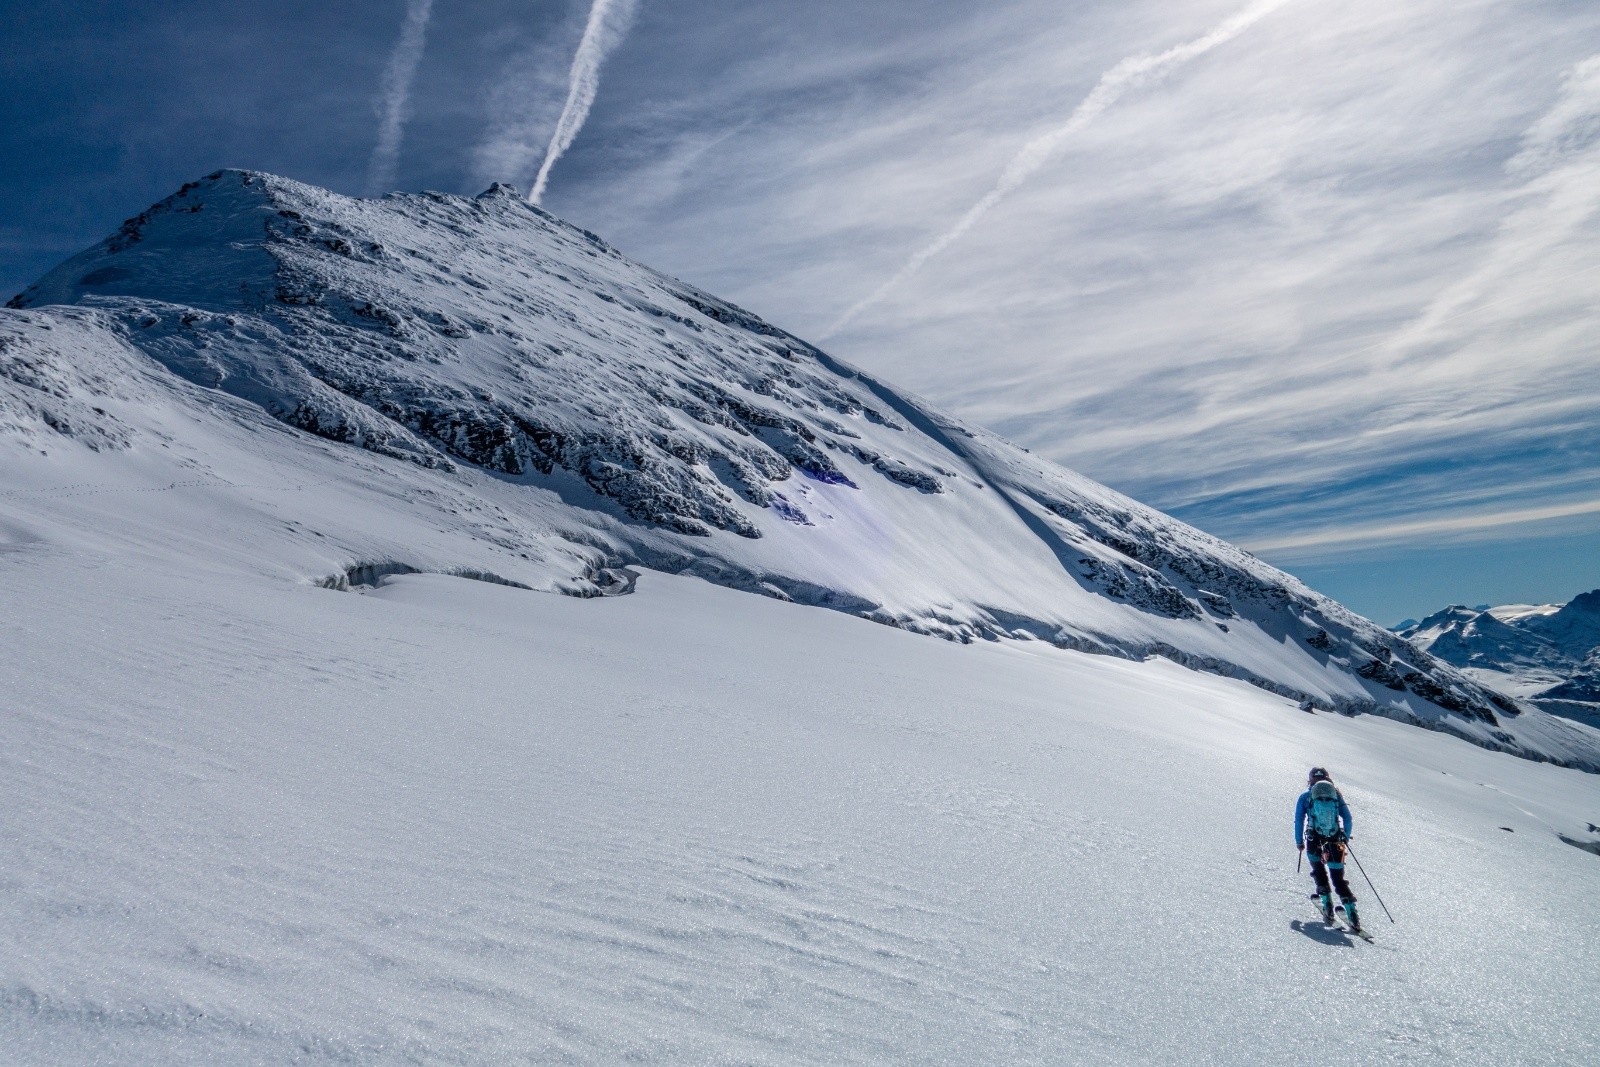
(1550, 651)
(1585, 602)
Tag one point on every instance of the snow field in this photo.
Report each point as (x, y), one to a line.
(249, 821)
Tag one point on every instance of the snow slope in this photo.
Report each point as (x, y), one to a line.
(528, 406)
(255, 822)
(278, 784)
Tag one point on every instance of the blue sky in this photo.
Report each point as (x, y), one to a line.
(1327, 285)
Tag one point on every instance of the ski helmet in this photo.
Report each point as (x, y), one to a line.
(1318, 774)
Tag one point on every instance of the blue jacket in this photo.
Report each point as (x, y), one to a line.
(1302, 809)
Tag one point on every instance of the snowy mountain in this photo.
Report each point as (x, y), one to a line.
(529, 407)
(1549, 653)
(292, 770)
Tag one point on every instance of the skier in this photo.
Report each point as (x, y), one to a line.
(1321, 827)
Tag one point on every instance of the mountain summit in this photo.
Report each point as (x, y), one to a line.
(469, 385)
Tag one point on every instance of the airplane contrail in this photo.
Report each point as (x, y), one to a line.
(608, 22)
(1128, 74)
(396, 93)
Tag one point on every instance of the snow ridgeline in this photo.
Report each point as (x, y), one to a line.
(526, 403)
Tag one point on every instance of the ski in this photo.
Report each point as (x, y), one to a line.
(1343, 923)
(1338, 922)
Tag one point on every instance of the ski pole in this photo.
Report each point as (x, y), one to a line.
(1299, 859)
(1370, 886)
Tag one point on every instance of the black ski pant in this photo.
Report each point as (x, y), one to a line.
(1327, 863)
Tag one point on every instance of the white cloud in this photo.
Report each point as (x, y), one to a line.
(395, 94)
(608, 22)
(1433, 528)
(1126, 75)
(1347, 258)
(521, 105)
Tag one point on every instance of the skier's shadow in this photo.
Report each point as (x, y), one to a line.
(1327, 935)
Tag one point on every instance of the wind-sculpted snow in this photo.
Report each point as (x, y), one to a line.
(524, 402)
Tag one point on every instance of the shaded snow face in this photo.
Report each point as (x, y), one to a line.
(496, 360)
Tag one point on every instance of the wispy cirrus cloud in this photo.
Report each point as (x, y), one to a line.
(1127, 75)
(521, 103)
(1337, 270)
(608, 23)
(395, 94)
(1326, 274)
(1434, 527)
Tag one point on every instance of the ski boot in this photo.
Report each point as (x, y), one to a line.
(1351, 917)
(1326, 902)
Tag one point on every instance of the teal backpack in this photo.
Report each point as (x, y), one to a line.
(1325, 802)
